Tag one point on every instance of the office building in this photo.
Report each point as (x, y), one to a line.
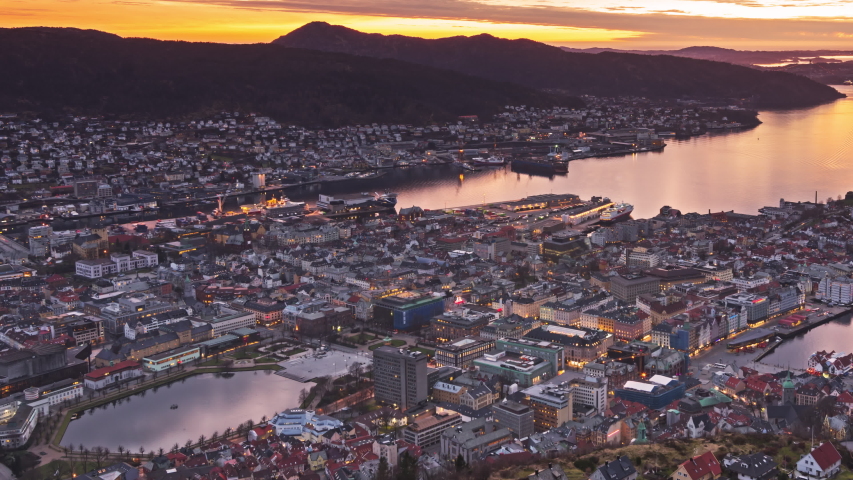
(552, 405)
(657, 393)
(117, 263)
(39, 240)
(400, 377)
(473, 440)
(757, 307)
(581, 345)
(407, 310)
(17, 422)
(522, 369)
(516, 417)
(457, 324)
(626, 288)
(426, 430)
(512, 326)
(267, 311)
(553, 353)
(86, 188)
(462, 352)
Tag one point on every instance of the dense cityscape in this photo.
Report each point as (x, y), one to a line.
(410, 240)
(470, 341)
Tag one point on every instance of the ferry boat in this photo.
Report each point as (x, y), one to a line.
(848, 82)
(468, 167)
(617, 212)
(532, 164)
(492, 161)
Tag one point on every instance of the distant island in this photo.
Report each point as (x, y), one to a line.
(542, 66)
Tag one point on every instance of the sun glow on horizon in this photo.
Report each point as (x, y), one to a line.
(614, 23)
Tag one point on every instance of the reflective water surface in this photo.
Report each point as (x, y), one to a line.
(207, 403)
(792, 154)
(835, 335)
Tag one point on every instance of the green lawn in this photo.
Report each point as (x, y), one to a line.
(64, 467)
(267, 360)
(308, 400)
(295, 351)
(393, 343)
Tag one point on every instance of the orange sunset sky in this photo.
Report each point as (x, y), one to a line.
(630, 24)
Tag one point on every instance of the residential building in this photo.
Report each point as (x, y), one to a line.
(822, 462)
(701, 467)
(620, 469)
(753, 466)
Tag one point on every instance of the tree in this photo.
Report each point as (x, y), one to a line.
(98, 452)
(303, 397)
(121, 450)
(201, 439)
(188, 444)
(69, 452)
(408, 467)
(175, 447)
(141, 451)
(460, 463)
(383, 472)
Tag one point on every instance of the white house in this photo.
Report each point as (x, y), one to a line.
(822, 462)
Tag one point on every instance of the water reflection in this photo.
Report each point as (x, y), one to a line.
(791, 155)
(207, 403)
(835, 335)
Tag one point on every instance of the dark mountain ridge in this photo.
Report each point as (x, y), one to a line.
(728, 55)
(50, 70)
(543, 66)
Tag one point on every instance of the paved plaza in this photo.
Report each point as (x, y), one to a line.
(333, 363)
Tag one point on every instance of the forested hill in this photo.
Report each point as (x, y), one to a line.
(50, 70)
(543, 66)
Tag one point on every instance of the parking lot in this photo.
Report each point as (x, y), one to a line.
(333, 363)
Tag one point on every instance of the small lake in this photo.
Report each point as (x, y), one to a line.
(835, 335)
(207, 403)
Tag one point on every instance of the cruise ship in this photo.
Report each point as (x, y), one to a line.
(387, 198)
(617, 212)
(276, 208)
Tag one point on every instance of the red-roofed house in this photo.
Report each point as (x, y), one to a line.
(823, 461)
(733, 386)
(703, 467)
(261, 433)
(845, 400)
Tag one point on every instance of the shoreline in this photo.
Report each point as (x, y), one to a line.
(73, 410)
(788, 335)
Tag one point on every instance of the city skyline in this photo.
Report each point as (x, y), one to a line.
(662, 24)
